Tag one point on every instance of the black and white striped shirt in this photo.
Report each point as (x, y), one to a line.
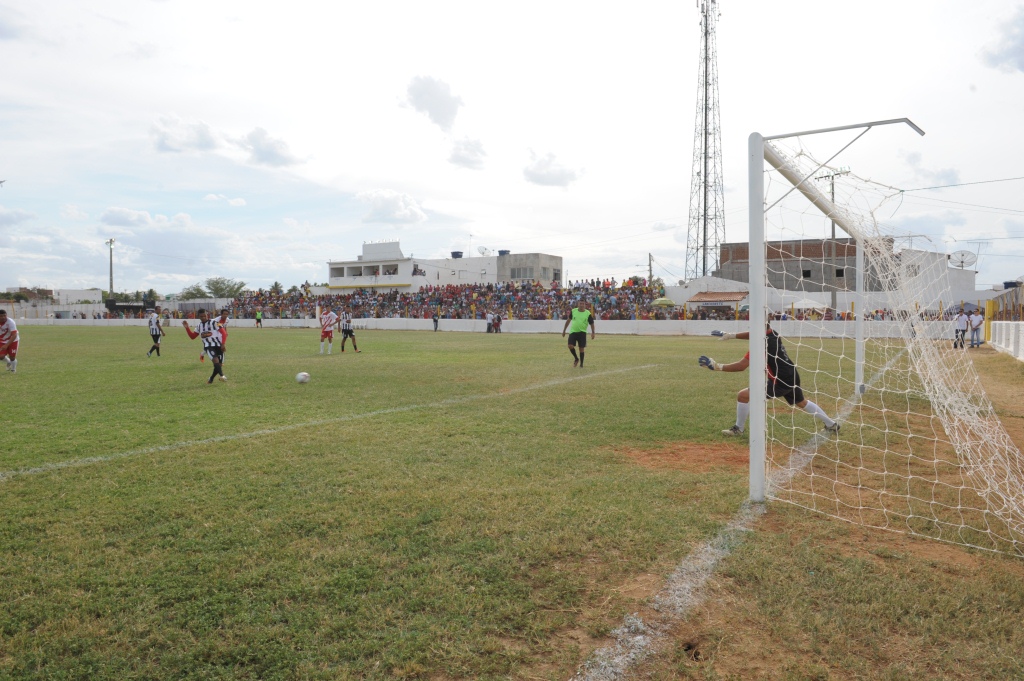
(346, 321)
(209, 326)
(154, 324)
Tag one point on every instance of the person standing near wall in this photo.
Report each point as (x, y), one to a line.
(976, 321)
(962, 322)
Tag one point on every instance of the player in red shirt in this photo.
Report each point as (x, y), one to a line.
(9, 341)
(328, 320)
(222, 324)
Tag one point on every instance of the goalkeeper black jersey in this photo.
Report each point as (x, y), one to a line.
(780, 366)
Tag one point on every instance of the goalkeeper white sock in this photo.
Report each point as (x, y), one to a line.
(742, 411)
(819, 413)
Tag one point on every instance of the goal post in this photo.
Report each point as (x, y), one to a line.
(756, 302)
(920, 449)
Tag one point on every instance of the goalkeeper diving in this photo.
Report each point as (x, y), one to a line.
(783, 381)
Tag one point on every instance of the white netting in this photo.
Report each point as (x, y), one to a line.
(921, 449)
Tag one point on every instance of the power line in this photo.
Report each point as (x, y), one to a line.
(973, 205)
(962, 184)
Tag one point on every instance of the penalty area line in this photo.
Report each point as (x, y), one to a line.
(184, 444)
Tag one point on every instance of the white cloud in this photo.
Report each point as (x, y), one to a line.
(221, 197)
(171, 134)
(664, 226)
(434, 98)
(1008, 54)
(948, 222)
(126, 217)
(934, 178)
(73, 212)
(468, 153)
(265, 150)
(12, 216)
(547, 172)
(389, 206)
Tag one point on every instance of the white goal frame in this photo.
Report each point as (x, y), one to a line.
(758, 153)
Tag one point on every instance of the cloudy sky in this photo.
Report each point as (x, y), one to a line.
(257, 141)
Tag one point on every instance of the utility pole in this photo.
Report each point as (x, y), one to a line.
(831, 176)
(650, 269)
(706, 226)
(110, 242)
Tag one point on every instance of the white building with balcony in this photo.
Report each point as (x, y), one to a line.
(384, 267)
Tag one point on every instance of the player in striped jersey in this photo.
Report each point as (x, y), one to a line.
(208, 331)
(346, 328)
(328, 320)
(155, 332)
(9, 341)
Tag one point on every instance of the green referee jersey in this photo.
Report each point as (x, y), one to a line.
(580, 319)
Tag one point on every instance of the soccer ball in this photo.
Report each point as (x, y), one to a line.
(302, 377)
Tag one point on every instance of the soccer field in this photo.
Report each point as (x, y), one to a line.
(438, 506)
(445, 505)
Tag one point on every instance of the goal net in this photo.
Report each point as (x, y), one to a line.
(868, 319)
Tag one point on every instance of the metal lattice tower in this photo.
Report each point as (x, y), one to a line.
(706, 226)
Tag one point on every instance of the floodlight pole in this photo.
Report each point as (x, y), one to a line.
(110, 242)
(756, 151)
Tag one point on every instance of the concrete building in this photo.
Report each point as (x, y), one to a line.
(63, 296)
(818, 266)
(383, 266)
(805, 265)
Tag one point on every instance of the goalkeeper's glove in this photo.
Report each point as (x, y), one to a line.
(727, 336)
(706, 361)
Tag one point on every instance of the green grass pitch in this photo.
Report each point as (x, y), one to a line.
(439, 505)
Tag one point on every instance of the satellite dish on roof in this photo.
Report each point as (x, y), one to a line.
(484, 251)
(962, 259)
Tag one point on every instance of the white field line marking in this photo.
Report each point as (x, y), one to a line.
(75, 463)
(636, 640)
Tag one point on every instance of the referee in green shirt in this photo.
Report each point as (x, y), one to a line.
(577, 322)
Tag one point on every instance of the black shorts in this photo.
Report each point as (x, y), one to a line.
(793, 394)
(348, 333)
(578, 338)
(155, 337)
(216, 354)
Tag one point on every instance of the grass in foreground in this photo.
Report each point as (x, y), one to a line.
(811, 597)
(437, 506)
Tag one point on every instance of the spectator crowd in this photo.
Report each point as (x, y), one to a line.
(527, 300)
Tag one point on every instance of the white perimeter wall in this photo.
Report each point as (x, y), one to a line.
(789, 328)
(1008, 337)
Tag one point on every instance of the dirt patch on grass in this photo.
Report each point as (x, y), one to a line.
(690, 457)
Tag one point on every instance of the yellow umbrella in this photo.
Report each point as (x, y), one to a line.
(663, 302)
